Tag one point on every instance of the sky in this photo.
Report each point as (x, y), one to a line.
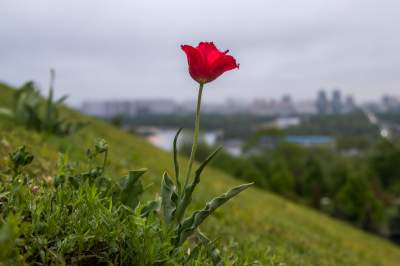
(131, 49)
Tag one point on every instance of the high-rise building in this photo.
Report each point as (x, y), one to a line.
(112, 108)
(286, 106)
(322, 103)
(390, 103)
(349, 104)
(336, 104)
(286, 99)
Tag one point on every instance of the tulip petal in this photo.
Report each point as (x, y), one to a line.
(209, 51)
(207, 62)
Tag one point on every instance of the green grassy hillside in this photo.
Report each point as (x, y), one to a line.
(256, 224)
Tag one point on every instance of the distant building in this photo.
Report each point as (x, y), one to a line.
(349, 104)
(322, 103)
(286, 99)
(129, 108)
(261, 107)
(286, 105)
(283, 107)
(271, 142)
(233, 147)
(305, 107)
(229, 106)
(390, 103)
(311, 140)
(282, 122)
(336, 104)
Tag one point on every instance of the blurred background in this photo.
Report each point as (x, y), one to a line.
(103, 49)
(313, 114)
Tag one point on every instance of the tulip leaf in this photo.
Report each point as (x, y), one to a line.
(150, 207)
(48, 120)
(204, 242)
(169, 198)
(190, 224)
(176, 162)
(187, 193)
(34, 120)
(132, 188)
(32, 111)
(212, 251)
(62, 99)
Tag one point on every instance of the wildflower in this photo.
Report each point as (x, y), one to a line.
(35, 189)
(206, 62)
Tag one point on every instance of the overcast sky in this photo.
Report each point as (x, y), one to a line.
(130, 49)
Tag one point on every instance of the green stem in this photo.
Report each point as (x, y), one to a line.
(195, 135)
(104, 162)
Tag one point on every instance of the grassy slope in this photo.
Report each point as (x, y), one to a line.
(257, 224)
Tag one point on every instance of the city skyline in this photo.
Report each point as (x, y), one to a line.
(276, 97)
(324, 102)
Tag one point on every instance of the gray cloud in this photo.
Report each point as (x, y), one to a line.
(122, 49)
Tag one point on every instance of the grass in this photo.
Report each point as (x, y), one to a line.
(256, 226)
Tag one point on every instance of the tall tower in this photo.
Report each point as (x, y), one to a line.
(337, 105)
(349, 104)
(322, 102)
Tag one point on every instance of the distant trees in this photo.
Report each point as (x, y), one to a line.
(245, 125)
(362, 189)
(314, 183)
(352, 124)
(356, 202)
(385, 163)
(357, 180)
(280, 179)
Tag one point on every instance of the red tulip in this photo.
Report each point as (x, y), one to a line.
(207, 63)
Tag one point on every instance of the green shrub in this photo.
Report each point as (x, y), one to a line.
(281, 179)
